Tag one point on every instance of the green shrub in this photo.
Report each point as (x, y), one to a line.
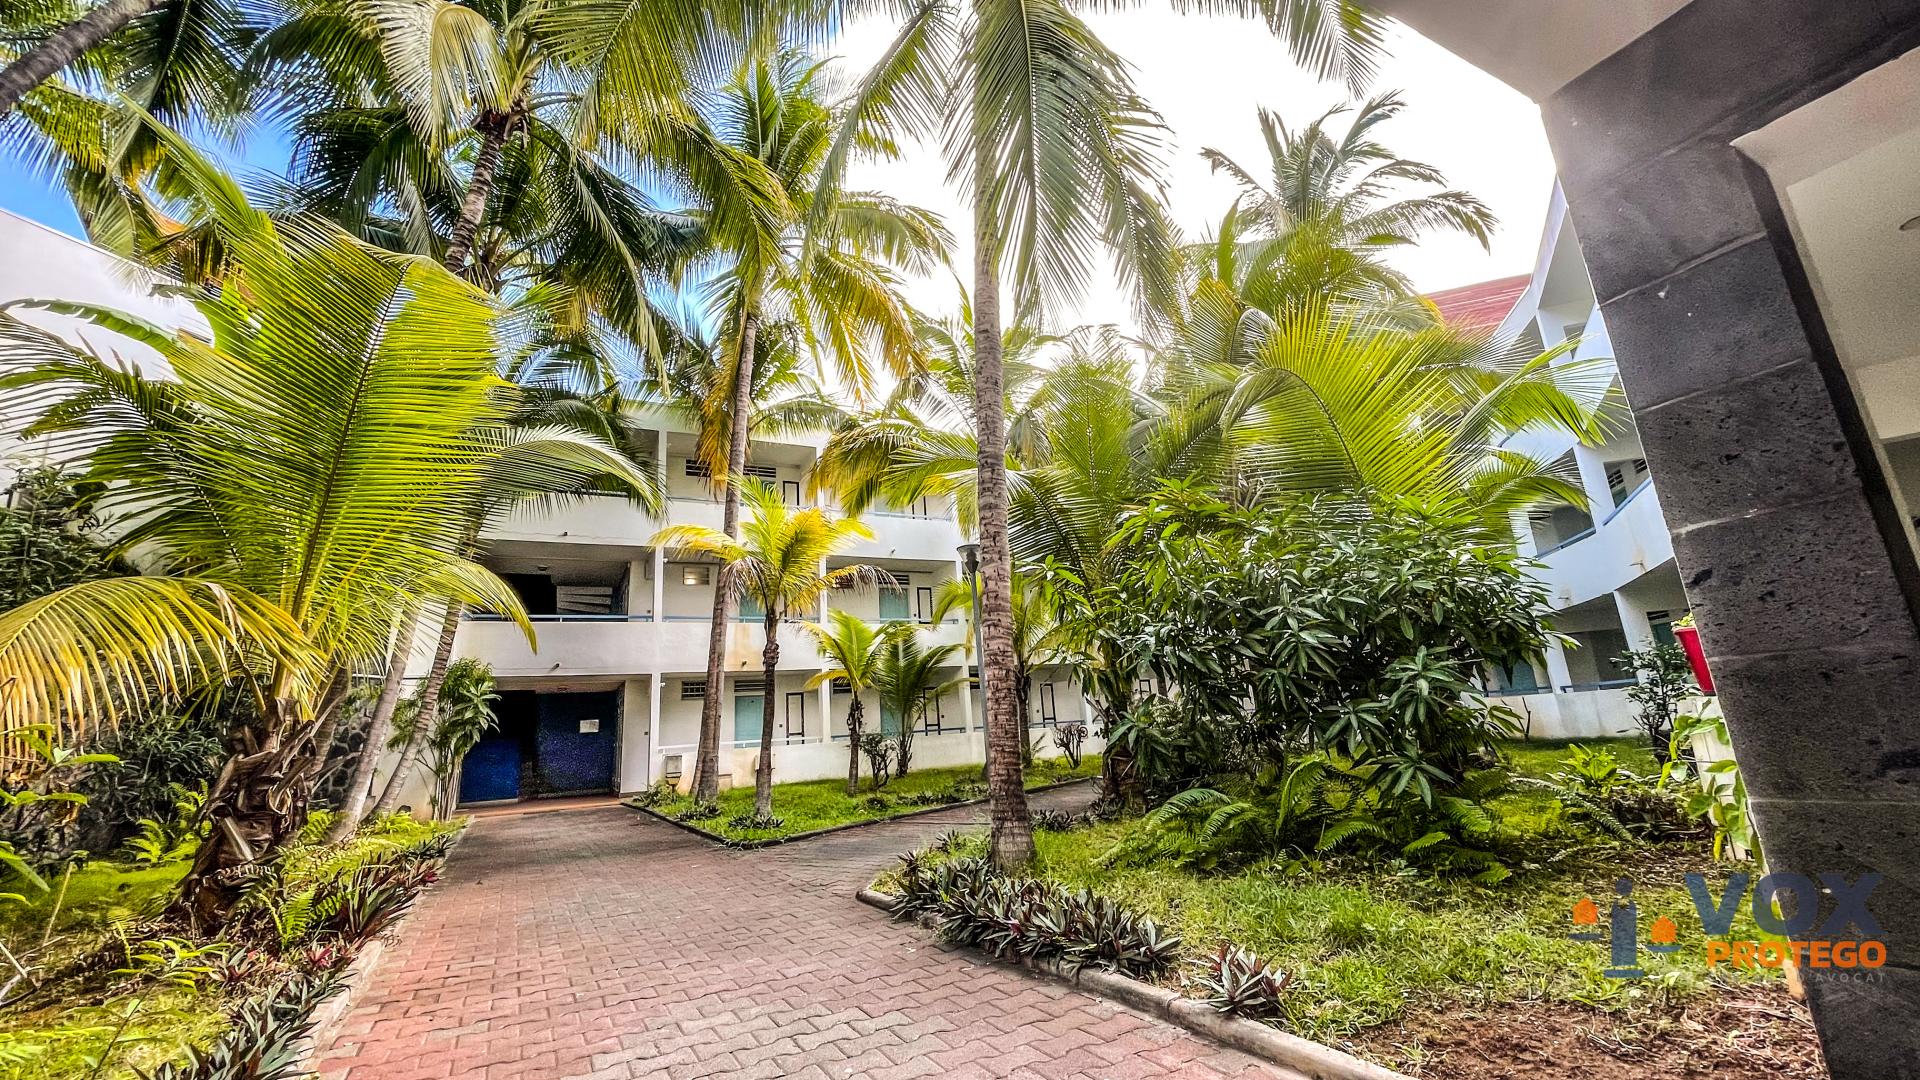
(1322, 625)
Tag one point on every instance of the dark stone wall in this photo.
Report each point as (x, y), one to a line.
(1800, 577)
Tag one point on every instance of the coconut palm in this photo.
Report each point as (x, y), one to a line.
(296, 481)
(1057, 154)
(1038, 633)
(907, 677)
(851, 647)
(314, 462)
(779, 562)
(807, 258)
(1331, 206)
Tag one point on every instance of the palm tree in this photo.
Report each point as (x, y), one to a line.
(174, 58)
(806, 256)
(906, 677)
(851, 646)
(299, 480)
(780, 563)
(1330, 209)
(1058, 153)
(1039, 634)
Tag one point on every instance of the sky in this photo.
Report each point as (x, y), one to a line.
(1207, 77)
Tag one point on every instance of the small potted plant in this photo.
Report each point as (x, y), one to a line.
(1689, 639)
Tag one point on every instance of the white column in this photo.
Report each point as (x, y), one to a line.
(1633, 621)
(825, 691)
(1593, 479)
(1557, 673)
(637, 589)
(659, 584)
(653, 723)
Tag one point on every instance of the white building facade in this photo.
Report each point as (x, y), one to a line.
(1609, 568)
(606, 696)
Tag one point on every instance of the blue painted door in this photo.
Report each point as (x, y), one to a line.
(574, 744)
(748, 711)
(491, 770)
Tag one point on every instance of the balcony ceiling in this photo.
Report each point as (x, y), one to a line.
(1534, 46)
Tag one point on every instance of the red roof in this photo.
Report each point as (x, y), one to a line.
(1479, 307)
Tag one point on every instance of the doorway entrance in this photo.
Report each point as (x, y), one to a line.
(546, 745)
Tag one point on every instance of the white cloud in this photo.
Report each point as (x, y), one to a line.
(1207, 76)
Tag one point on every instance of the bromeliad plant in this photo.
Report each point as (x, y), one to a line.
(1013, 917)
(1238, 983)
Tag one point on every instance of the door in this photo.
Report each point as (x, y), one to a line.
(748, 710)
(750, 609)
(1049, 709)
(796, 718)
(923, 604)
(790, 492)
(491, 770)
(574, 745)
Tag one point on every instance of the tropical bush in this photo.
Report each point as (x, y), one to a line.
(1318, 807)
(1664, 679)
(1596, 788)
(49, 536)
(1320, 626)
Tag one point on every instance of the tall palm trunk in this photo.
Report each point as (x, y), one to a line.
(379, 727)
(706, 766)
(426, 716)
(763, 769)
(856, 714)
(492, 127)
(65, 45)
(1011, 845)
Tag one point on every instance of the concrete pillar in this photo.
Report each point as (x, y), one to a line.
(1558, 674)
(639, 592)
(659, 584)
(653, 725)
(825, 691)
(1593, 481)
(1633, 621)
(1802, 583)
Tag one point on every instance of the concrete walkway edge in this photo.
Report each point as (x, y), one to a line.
(1313, 1060)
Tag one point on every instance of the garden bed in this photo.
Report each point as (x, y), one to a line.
(1443, 977)
(120, 993)
(810, 807)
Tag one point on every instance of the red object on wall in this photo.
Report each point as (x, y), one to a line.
(1689, 638)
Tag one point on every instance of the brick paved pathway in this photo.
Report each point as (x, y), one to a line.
(605, 944)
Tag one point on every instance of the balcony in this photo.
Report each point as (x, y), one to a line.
(1624, 544)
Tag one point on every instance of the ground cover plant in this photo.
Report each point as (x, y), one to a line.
(113, 988)
(1347, 943)
(820, 804)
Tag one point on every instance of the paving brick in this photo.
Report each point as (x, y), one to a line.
(604, 945)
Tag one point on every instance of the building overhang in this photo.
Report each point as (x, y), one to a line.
(1534, 46)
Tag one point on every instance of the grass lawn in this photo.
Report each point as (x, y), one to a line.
(820, 804)
(51, 1036)
(1365, 943)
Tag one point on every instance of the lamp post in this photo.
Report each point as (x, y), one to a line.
(970, 559)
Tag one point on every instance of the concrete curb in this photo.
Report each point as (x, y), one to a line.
(776, 841)
(1309, 1059)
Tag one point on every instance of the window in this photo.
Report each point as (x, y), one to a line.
(693, 689)
(761, 472)
(842, 686)
(893, 602)
(696, 574)
(698, 470)
(1662, 625)
(749, 686)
